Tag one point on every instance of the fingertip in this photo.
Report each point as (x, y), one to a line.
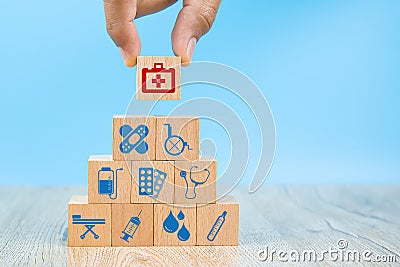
(185, 50)
(189, 51)
(129, 60)
(126, 37)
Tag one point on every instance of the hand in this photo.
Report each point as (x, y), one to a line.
(194, 20)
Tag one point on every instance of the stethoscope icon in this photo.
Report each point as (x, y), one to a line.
(183, 174)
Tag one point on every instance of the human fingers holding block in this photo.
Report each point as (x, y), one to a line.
(194, 20)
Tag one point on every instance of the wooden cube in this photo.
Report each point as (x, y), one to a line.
(174, 225)
(108, 181)
(218, 224)
(158, 78)
(89, 225)
(177, 138)
(152, 182)
(195, 181)
(134, 137)
(132, 225)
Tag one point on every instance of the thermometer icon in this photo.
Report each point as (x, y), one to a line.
(216, 227)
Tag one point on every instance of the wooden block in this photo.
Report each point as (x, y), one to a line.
(158, 78)
(210, 219)
(108, 181)
(174, 225)
(195, 181)
(132, 225)
(177, 138)
(89, 225)
(152, 182)
(134, 137)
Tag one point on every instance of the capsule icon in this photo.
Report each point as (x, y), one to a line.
(216, 227)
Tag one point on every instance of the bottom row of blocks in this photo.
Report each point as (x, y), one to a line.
(120, 225)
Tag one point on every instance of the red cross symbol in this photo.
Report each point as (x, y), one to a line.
(158, 81)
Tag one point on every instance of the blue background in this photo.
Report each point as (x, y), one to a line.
(329, 69)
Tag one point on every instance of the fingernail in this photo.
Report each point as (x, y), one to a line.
(190, 49)
(128, 61)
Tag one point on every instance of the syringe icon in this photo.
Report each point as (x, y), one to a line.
(131, 227)
(216, 227)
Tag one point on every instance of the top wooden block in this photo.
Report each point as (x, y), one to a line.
(158, 78)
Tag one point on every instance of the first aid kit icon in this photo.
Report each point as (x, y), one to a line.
(158, 79)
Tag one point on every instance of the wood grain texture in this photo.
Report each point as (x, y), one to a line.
(166, 192)
(133, 121)
(33, 227)
(121, 214)
(78, 205)
(163, 238)
(207, 216)
(121, 175)
(187, 192)
(188, 128)
(148, 62)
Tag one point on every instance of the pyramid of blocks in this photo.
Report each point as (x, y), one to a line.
(154, 190)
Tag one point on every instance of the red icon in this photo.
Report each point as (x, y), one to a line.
(158, 79)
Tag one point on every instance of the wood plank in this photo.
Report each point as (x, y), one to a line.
(33, 227)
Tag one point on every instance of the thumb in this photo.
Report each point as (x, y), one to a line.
(194, 20)
(122, 30)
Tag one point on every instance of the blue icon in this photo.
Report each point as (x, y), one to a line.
(128, 133)
(171, 225)
(151, 181)
(196, 183)
(174, 145)
(89, 224)
(216, 227)
(131, 227)
(107, 181)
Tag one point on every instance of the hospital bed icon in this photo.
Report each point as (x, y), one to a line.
(89, 224)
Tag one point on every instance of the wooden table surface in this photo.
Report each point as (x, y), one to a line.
(33, 232)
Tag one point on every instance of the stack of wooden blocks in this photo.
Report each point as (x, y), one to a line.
(154, 189)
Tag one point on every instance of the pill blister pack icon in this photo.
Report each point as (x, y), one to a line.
(151, 181)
